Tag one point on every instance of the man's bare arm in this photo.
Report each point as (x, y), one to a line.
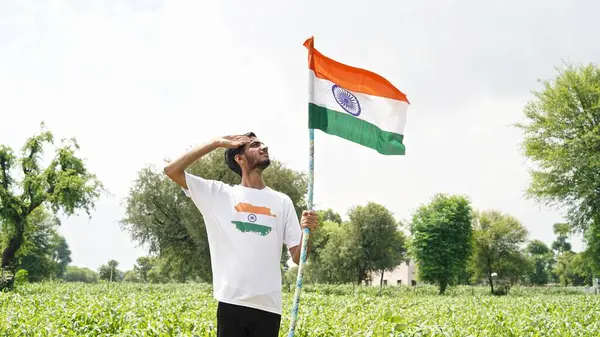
(297, 250)
(176, 168)
(309, 220)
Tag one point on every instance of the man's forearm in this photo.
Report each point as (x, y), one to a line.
(296, 257)
(176, 168)
(187, 159)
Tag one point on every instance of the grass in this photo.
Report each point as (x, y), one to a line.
(66, 309)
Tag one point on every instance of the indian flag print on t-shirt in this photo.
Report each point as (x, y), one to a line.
(254, 219)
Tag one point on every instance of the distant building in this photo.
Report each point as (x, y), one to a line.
(404, 274)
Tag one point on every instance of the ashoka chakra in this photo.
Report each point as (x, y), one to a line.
(251, 217)
(346, 100)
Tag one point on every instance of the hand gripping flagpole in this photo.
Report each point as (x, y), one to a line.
(306, 234)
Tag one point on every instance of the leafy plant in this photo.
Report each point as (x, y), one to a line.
(21, 277)
(185, 310)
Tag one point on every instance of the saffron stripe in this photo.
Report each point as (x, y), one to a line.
(249, 208)
(350, 78)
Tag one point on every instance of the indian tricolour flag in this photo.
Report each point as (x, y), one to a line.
(355, 104)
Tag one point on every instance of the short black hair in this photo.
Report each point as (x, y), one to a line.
(231, 153)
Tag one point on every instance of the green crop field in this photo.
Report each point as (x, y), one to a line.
(54, 309)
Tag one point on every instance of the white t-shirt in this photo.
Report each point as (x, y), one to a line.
(246, 229)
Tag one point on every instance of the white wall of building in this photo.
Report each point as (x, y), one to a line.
(404, 274)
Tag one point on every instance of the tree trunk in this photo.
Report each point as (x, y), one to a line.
(443, 286)
(491, 282)
(361, 276)
(489, 267)
(563, 278)
(381, 280)
(14, 244)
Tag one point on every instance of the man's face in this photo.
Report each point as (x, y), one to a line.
(256, 154)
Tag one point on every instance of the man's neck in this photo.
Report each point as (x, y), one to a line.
(254, 180)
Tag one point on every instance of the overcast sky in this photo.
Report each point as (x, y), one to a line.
(139, 81)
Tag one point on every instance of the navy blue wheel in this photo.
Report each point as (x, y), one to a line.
(346, 100)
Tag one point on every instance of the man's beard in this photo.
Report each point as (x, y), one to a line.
(261, 164)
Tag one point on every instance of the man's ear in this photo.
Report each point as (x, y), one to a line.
(238, 158)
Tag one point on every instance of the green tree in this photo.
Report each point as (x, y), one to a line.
(561, 245)
(34, 255)
(77, 274)
(332, 255)
(143, 266)
(582, 268)
(329, 215)
(373, 241)
(61, 254)
(44, 253)
(352, 251)
(592, 252)
(154, 276)
(442, 239)
(395, 255)
(322, 252)
(109, 272)
(562, 139)
(541, 257)
(328, 221)
(159, 215)
(515, 267)
(574, 269)
(131, 276)
(564, 268)
(64, 185)
(497, 240)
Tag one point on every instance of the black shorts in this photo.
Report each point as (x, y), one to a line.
(239, 321)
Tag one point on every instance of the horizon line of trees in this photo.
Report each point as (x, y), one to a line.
(494, 243)
(451, 242)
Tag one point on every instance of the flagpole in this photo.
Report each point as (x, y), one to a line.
(309, 206)
(306, 231)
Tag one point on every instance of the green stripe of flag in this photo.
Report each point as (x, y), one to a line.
(355, 130)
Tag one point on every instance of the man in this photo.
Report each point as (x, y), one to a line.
(246, 224)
